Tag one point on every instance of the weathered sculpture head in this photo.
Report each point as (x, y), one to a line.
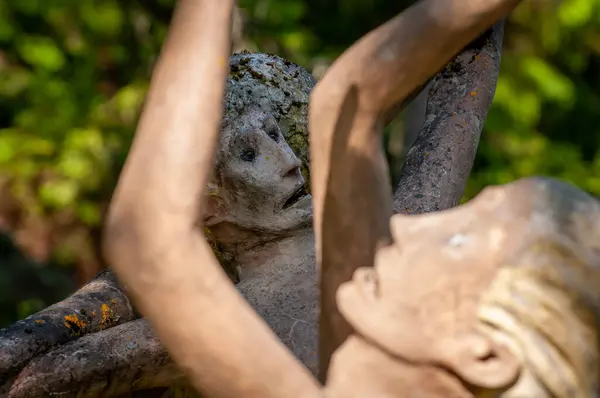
(260, 180)
(273, 85)
(257, 183)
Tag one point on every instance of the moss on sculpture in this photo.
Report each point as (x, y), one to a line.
(277, 86)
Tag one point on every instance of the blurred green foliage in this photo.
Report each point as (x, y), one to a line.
(73, 76)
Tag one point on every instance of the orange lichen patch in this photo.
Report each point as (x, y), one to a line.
(94, 314)
(473, 93)
(108, 316)
(40, 321)
(72, 322)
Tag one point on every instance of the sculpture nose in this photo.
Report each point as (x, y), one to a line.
(292, 172)
(292, 166)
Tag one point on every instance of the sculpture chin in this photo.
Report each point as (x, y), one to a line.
(298, 215)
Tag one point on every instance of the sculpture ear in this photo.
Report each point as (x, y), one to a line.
(215, 210)
(480, 361)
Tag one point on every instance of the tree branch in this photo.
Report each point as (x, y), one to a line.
(120, 360)
(437, 167)
(350, 186)
(98, 305)
(151, 241)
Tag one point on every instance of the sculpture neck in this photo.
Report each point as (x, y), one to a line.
(252, 249)
(290, 249)
(374, 373)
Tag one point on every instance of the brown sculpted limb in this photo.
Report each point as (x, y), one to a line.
(151, 241)
(348, 108)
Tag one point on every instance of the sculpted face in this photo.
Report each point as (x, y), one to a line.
(257, 176)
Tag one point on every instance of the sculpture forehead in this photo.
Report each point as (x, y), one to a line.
(252, 117)
(244, 126)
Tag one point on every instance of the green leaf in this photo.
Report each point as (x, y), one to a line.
(522, 104)
(41, 52)
(89, 213)
(58, 193)
(7, 147)
(88, 139)
(104, 18)
(575, 13)
(76, 166)
(550, 81)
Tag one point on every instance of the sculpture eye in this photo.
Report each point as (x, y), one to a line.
(274, 134)
(248, 155)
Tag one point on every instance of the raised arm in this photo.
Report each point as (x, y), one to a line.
(150, 236)
(349, 106)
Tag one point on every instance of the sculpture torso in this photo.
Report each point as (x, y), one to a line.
(283, 290)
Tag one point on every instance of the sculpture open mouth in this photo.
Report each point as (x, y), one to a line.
(296, 196)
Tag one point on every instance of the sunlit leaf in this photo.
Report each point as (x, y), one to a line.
(129, 100)
(573, 13)
(8, 146)
(551, 82)
(76, 166)
(296, 41)
(41, 52)
(58, 193)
